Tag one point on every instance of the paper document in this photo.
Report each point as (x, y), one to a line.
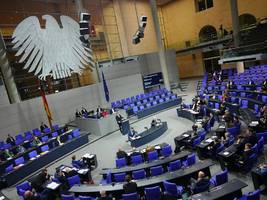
(185, 135)
(52, 185)
(209, 140)
(226, 153)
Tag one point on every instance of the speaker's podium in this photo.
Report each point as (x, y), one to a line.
(125, 126)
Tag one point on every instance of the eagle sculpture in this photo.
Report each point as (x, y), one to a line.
(52, 51)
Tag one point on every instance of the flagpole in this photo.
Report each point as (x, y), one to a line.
(45, 104)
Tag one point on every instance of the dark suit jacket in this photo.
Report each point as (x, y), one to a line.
(130, 187)
(121, 154)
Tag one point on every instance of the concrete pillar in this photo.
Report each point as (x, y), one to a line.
(235, 21)
(240, 67)
(161, 50)
(7, 74)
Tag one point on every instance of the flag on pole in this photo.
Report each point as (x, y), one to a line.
(46, 106)
(105, 87)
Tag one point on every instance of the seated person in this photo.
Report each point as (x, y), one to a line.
(43, 127)
(130, 186)
(263, 111)
(10, 140)
(77, 113)
(228, 118)
(99, 111)
(77, 163)
(213, 148)
(263, 122)
(236, 121)
(244, 157)
(60, 176)
(226, 139)
(104, 196)
(154, 122)
(201, 181)
(264, 86)
(84, 111)
(231, 85)
(133, 132)
(39, 181)
(251, 137)
(8, 154)
(20, 149)
(36, 141)
(135, 152)
(252, 85)
(121, 154)
(149, 148)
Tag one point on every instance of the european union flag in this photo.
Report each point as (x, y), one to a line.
(105, 87)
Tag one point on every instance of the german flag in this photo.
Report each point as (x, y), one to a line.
(46, 106)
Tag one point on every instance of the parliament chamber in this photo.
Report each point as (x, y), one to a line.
(133, 100)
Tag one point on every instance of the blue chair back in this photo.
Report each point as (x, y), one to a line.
(76, 133)
(255, 148)
(172, 189)
(139, 174)
(260, 144)
(121, 162)
(196, 142)
(32, 154)
(175, 165)
(221, 178)
(54, 134)
(137, 159)
(45, 138)
(23, 187)
(74, 180)
(254, 195)
(120, 177)
(67, 197)
(131, 196)
(153, 155)
(233, 131)
(85, 198)
(9, 168)
(37, 132)
(166, 151)
(155, 171)
(219, 149)
(153, 193)
(191, 159)
(44, 148)
(19, 161)
(47, 130)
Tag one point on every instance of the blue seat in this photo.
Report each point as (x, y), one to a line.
(252, 195)
(153, 155)
(19, 137)
(166, 151)
(74, 180)
(67, 197)
(131, 196)
(47, 130)
(202, 135)
(32, 154)
(139, 174)
(44, 139)
(155, 171)
(54, 134)
(135, 109)
(76, 133)
(217, 106)
(260, 145)
(172, 190)
(86, 198)
(136, 159)
(120, 177)
(233, 131)
(28, 137)
(220, 178)
(37, 132)
(255, 148)
(9, 168)
(44, 148)
(175, 165)
(191, 159)
(153, 193)
(55, 127)
(22, 188)
(19, 161)
(244, 103)
(121, 162)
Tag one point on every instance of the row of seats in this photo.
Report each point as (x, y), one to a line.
(36, 153)
(138, 159)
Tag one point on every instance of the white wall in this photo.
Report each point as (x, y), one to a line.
(26, 115)
(3, 96)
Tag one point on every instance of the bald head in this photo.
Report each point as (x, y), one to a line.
(28, 194)
(102, 193)
(201, 174)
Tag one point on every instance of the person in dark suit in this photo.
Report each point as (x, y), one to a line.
(77, 113)
(31, 195)
(10, 140)
(84, 111)
(60, 176)
(264, 86)
(121, 154)
(99, 111)
(213, 148)
(43, 127)
(119, 119)
(201, 181)
(77, 163)
(39, 181)
(154, 122)
(251, 137)
(130, 186)
(243, 159)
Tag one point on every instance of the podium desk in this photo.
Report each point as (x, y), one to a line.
(149, 135)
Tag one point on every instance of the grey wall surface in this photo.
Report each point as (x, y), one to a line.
(3, 96)
(27, 115)
(146, 64)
